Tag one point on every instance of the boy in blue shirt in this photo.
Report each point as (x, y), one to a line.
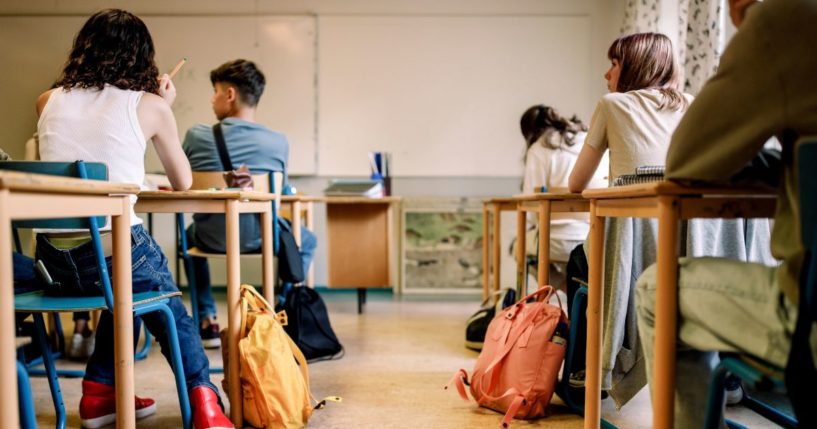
(237, 87)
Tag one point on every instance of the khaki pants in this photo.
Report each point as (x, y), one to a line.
(723, 305)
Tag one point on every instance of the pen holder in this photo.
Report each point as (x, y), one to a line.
(385, 181)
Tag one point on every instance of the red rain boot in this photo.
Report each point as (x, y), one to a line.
(207, 413)
(97, 408)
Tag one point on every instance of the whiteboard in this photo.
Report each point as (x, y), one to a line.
(35, 48)
(444, 94)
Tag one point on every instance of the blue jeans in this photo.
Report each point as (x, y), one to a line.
(201, 269)
(75, 273)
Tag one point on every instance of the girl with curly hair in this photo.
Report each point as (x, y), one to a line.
(108, 102)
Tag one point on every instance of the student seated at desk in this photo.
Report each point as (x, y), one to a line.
(635, 121)
(764, 86)
(238, 86)
(553, 143)
(82, 342)
(108, 102)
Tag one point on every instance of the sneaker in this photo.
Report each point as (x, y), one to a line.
(577, 379)
(207, 412)
(477, 325)
(97, 408)
(733, 390)
(209, 336)
(81, 347)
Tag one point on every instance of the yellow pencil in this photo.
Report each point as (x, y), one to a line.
(178, 66)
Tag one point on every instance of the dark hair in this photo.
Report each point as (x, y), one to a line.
(539, 119)
(113, 47)
(244, 76)
(648, 61)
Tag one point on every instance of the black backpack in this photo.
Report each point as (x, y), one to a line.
(308, 325)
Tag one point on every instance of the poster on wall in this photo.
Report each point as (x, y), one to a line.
(442, 248)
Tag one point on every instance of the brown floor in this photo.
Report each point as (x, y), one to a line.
(399, 354)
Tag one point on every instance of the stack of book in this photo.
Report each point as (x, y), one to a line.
(354, 188)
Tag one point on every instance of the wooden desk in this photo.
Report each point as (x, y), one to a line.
(304, 206)
(33, 196)
(548, 206)
(670, 203)
(362, 251)
(492, 250)
(231, 204)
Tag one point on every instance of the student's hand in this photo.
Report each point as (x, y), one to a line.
(737, 10)
(166, 89)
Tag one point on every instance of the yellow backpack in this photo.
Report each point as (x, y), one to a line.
(274, 385)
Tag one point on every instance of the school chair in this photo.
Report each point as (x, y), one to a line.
(202, 180)
(38, 302)
(573, 397)
(28, 420)
(762, 375)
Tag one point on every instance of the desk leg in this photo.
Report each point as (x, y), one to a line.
(521, 279)
(486, 253)
(543, 268)
(310, 225)
(497, 217)
(267, 267)
(233, 311)
(9, 417)
(296, 221)
(123, 317)
(666, 316)
(592, 401)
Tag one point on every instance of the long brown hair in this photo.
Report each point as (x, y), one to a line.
(647, 60)
(113, 47)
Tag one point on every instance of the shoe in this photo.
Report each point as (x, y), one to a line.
(733, 390)
(97, 408)
(576, 379)
(477, 325)
(207, 412)
(209, 336)
(81, 347)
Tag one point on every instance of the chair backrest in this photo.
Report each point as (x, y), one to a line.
(78, 169)
(94, 171)
(265, 182)
(801, 371)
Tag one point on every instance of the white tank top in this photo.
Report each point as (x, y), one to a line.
(96, 126)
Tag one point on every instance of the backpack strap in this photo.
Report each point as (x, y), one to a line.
(517, 403)
(221, 145)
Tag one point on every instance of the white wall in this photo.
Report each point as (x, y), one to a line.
(603, 20)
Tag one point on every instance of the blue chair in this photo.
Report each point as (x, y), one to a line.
(28, 420)
(574, 397)
(753, 371)
(38, 303)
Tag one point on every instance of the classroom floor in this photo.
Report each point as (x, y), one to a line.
(399, 354)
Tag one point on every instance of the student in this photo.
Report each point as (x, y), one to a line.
(237, 87)
(108, 102)
(82, 342)
(764, 87)
(635, 122)
(553, 143)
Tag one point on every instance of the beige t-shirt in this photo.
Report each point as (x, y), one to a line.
(631, 125)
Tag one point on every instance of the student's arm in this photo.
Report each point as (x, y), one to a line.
(159, 124)
(42, 100)
(736, 111)
(595, 144)
(585, 168)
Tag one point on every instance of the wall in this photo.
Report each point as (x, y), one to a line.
(603, 18)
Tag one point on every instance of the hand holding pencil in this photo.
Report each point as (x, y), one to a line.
(166, 88)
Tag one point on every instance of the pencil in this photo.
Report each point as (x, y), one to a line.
(176, 69)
